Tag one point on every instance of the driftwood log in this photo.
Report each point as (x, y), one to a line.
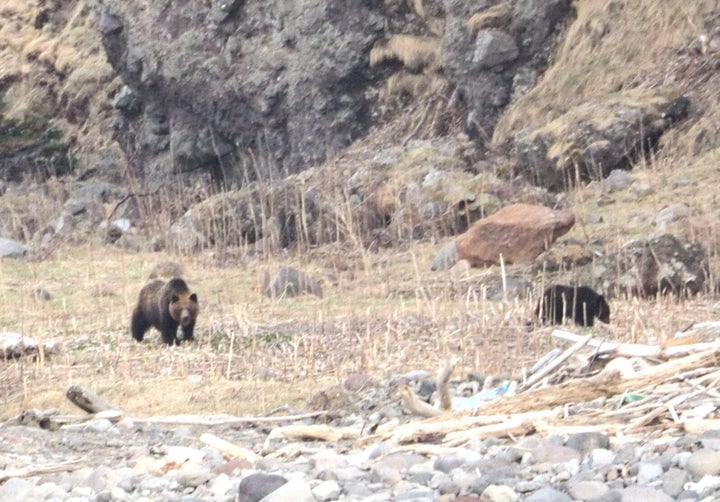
(230, 450)
(87, 400)
(27, 472)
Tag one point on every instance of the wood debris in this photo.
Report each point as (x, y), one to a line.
(594, 385)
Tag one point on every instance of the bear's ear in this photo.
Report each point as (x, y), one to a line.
(174, 299)
(193, 298)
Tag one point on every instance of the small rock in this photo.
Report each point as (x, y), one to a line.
(459, 457)
(292, 491)
(584, 442)
(644, 493)
(587, 490)
(446, 258)
(500, 493)
(617, 180)
(327, 490)
(674, 480)
(12, 249)
(648, 471)
(548, 494)
(257, 486)
(671, 213)
(703, 462)
(554, 453)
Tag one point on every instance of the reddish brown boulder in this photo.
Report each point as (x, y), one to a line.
(519, 232)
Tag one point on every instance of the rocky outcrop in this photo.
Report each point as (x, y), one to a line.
(661, 265)
(257, 89)
(597, 137)
(518, 233)
(645, 268)
(32, 149)
(239, 89)
(493, 53)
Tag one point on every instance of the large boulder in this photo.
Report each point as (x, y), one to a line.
(661, 265)
(518, 233)
(644, 268)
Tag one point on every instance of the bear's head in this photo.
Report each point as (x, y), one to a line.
(603, 310)
(184, 308)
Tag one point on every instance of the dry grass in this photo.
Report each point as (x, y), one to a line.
(414, 52)
(608, 47)
(58, 69)
(384, 315)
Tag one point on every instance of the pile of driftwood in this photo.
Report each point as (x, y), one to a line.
(593, 385)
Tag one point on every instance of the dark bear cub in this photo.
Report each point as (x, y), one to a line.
(165, 306)
(579, 303)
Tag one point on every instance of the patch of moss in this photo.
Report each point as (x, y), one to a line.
(37, 140)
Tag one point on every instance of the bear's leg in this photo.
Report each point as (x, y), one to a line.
(187, 332)
(169, 335)
(138, 326)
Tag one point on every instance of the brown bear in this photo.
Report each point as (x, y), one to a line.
(165, 306)
(579, 303)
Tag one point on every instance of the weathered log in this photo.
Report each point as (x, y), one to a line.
(87, 400)
(555, 363)
(414, 404)
(27, 472)
(224, 419)
(227, 448)
(638, 349)
(320, 431)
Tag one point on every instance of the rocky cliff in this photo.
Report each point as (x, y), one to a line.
(399, 107)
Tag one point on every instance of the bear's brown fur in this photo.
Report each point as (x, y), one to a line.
(165, 306)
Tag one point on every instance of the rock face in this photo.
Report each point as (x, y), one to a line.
(261, 89)
(206, 83)
(519, 232)
(495, 52)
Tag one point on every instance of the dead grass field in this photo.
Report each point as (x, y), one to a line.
(253, 354)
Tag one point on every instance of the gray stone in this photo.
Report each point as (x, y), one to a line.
(584, 442)
(618, 179)
(500, 493)
(494, 47)
(15, 489)
(258, 485)
(674, 480)
(292, 491)
(644, 493)
(554, 453)
(127, 100)
(670, 213)
(648, 471)
(446, 257)
(460, 457)
(587, 490)
(327, 490)
(548, 494)
(12, 249)
(703, 462)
